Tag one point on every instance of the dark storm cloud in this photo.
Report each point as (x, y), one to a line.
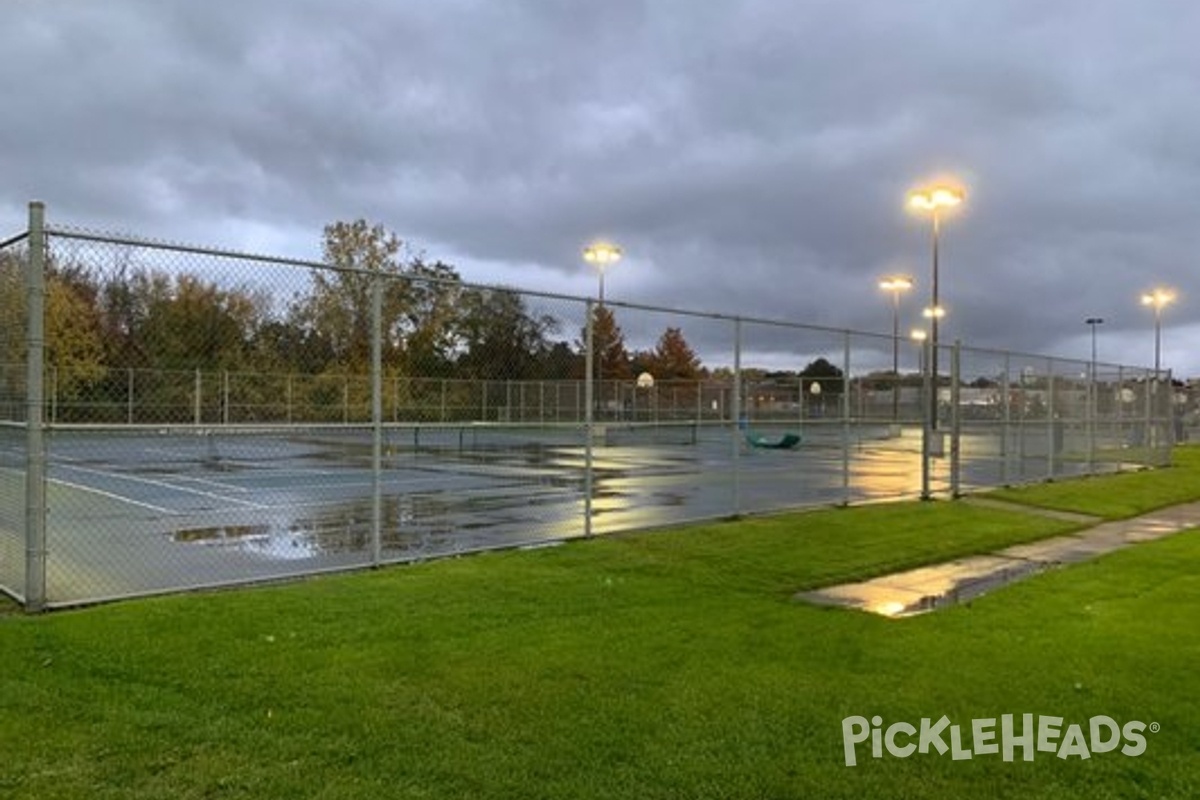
(750, 157)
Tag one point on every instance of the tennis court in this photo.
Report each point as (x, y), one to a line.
(147, 510)
(205, 432)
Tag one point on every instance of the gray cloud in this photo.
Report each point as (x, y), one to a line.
(751, 157)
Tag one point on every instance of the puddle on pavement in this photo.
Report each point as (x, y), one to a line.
(412, 524)
(929, 588)
(434, 523)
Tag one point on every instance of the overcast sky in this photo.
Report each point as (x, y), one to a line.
(749, 157)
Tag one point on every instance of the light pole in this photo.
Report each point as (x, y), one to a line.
(601, 255)
(933, 199)
(896, 284)
(1158, 298)
(1093, 322)
(919, 335)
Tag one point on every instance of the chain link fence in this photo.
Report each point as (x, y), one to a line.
(178, 417)
(13, 457)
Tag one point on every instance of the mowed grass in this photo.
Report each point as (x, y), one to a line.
(1118, 496)
(663, 665)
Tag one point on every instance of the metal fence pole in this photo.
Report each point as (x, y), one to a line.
(35, 456)
(735, 407)
(1148, 436)
(956, 419)
(927, 409)
(846, 418)
(1022, 414)
(376, 418)
(1052, 422)
(1169, 415)
(1005, 477)
(1089, 414)
(1119, 402)
(53, 370)
(589, 389)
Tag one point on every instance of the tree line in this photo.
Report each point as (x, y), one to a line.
(99, 323)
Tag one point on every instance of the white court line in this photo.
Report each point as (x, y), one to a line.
(112, 496)
(393, 482)
(165, 485)
(205, 481)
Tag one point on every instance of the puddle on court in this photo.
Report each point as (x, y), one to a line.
(412, 525)
(439, 523)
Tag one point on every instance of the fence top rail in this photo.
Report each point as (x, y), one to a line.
(10, 241)
(68, 232)
(76, 233)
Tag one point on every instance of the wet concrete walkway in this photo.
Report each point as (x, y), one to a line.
(927, 588)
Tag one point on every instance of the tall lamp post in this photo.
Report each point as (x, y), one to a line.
(601, 255)
(896, 284)
(1158, 298)
(934, 199)
(1093, 322)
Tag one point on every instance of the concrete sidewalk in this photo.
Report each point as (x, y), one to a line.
(927, 588)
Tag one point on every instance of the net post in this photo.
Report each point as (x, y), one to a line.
(196, 398)
(35, 456)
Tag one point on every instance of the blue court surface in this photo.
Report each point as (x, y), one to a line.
(142, 511)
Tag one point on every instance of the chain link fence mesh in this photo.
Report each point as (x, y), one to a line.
(12, 415)
(214, 418)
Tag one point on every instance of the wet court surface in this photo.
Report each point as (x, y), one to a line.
(141, 512)
(925, 589)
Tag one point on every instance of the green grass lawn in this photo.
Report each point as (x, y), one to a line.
(662, 665)
(1118, 496)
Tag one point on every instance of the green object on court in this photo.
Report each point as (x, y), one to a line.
(785, 442)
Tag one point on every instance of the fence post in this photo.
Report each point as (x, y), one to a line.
(35, 456)
(928, 407)
(376, 418)
(1005, 477)
(1149, 442)
(1023, 413)
(735, 406)
(1052, 429)
(956, 419)
(225, 396)
(589, 363)
(846, 384)
(53, 394)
